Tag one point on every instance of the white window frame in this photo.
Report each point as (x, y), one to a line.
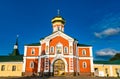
(83, 52)
(84, 65)
(59, 45)
(33, 51)
(52, 49)
(31, 64)
(65, 48)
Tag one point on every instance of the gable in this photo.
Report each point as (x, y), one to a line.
(58, 33)
(59, 39)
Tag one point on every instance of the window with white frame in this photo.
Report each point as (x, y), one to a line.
(59, 48)
(3, 68)
(33, 51)
(13, 68)
(51, 49)
(46, 49)
(83, 52)
(84, 65)
(65, 50)
(31, 64)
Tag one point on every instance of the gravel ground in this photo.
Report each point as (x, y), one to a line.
(63, 77)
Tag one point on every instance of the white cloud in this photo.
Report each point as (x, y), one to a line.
(108, 32)
(106, 52)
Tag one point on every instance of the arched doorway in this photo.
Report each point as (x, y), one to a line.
(59, 68)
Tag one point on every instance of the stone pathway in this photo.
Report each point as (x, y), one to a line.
(63, 77)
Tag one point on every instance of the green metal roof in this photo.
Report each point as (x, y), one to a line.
(83, 45)
(107, 62)
(11, 58)
(33, 44)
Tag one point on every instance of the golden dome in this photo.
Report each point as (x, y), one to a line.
(58, 19)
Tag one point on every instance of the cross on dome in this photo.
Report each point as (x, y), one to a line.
(58, 12)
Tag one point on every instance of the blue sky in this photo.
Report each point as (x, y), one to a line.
(92, 22)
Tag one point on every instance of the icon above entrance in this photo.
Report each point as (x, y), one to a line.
(59, 68)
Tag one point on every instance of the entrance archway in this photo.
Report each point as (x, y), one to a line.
(59, 68)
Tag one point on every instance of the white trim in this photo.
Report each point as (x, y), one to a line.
(25, 50)
(85, 57)
(111, 71)
(59, 45)
(84, 64)
(91, 53)
(84, 47)
(33, 51)
(92, 65)
(31, 65)
(65, 48)
(65, 56)
(70, 47)
(39, 50)
(71, 70)
(47, 45)
(52, 64)
(24, 64)
(52, 47)
(106, 64)
(39, 64)
(58, 33)
(83, 52)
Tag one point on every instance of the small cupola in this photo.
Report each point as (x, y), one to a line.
(58, 23)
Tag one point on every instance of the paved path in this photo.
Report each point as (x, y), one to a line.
(78, 77)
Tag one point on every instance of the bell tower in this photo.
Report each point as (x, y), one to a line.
(58, 23)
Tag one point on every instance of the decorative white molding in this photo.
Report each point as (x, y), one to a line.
(25, 50)
(39, 50)
(111, 71)
(39, 64)
(84, 47)
(85, 57)
(58, 33)
(91, 51)
(24, 64)
(92, 65)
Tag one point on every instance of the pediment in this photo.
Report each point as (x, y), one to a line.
(59, 33)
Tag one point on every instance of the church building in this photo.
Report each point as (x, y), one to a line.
(58, 54)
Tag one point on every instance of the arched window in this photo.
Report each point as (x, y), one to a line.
(33, 51)
(65, 50)
(3, 68)
(51, 49)
(59, 48)
(14, 68)
(83, 52)
(32, 64)
(84, 65)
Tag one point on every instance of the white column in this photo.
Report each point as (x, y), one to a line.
(111, 71)
(47, 45)
(24, 64)
(91, 53)
(92, 65)
(39, 50)
(24, 58)
(70, 45)
(39, 63)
